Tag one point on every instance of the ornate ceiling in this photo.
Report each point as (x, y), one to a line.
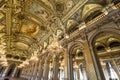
(30, 25)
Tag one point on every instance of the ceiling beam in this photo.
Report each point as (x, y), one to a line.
(8, 24)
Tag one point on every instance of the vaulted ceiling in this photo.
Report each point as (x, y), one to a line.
(30, 25)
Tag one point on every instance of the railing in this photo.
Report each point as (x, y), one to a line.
(95, 19)
(100, 16)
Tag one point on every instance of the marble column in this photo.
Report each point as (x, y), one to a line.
(84, 73)
(65, 65)
(40, 72)
(18, 72)
(90, 66)
(6, 71)
(114, 65)
(14, 72)
(27, 72)
(70, 67)
(1, 68)
(105, 72)
(32, 70)
(51, 73)
(56, 68)
(46, 70)
(78, 73)
(2, 71)
(35, 71)
(22, 73)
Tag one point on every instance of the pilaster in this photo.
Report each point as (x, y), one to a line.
(35, 71)
(14, 72)
(56, 68)
(113, 63)
(89, 63)
(65, 65)
(40, 72)
(46, 70)
(70, 67)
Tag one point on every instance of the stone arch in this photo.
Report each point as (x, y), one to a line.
(95, 57)
(73, 57)
(76, 50)
(73, 45)
(96, 34)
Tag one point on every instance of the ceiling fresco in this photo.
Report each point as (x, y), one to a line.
(38, 10)
(30, 29)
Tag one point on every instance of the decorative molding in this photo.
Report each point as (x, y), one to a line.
(73, 10)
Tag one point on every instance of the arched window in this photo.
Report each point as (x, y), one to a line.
(79, 54)
(16, 57)
(9, 56)
(114, 44)
(100, 48)
(18, 72)
(93, 15)
(23, 58)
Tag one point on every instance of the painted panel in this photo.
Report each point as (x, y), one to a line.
(38, 10)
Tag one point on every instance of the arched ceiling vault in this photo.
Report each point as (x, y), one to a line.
(29, 25)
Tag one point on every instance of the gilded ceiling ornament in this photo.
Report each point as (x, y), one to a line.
(69, 5)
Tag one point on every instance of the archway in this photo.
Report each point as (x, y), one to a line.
(105, 46)
(76, 59)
